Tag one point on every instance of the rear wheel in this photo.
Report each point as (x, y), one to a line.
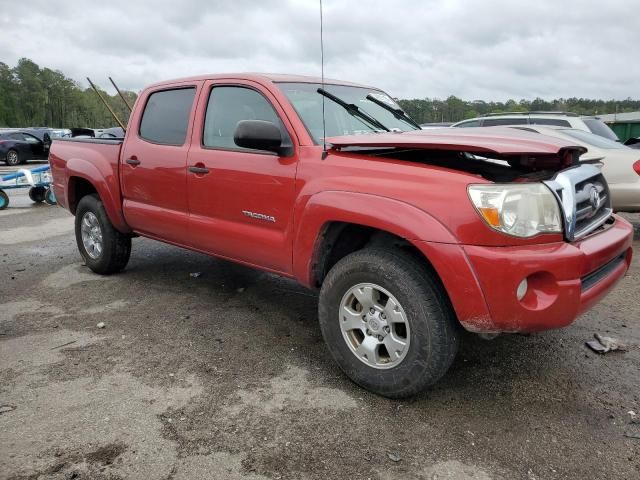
(388, 322)
(37, 194)
(13, 158)
(4, 200)
(105, 250)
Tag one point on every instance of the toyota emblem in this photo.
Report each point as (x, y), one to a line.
(594, 197)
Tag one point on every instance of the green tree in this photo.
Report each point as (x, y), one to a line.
(34, 96)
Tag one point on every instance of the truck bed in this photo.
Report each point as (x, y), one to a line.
(93, 162)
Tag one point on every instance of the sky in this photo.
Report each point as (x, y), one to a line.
(476, 50)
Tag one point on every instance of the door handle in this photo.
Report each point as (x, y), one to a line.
(133, 161)
(199, 170)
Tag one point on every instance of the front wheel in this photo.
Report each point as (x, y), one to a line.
(388, 322)
(105, 250)
(13, 158)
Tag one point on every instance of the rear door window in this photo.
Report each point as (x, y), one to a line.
(470, 123)
(558, 122)
(600, 128)
(166, 116)
(494, 122)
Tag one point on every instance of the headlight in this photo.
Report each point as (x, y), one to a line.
(522, 210)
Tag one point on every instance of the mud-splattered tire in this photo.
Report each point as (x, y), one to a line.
(409, 293)
(105, 250)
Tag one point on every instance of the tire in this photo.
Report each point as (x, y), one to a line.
(432, 332)
(13, 158)
(4, 200)
(115, 250)
(37, 194)
(50, 197)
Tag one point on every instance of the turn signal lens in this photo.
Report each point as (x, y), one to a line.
(522, 210)
(491, 216)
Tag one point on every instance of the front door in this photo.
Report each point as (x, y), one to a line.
(240, 200)
(154, 160)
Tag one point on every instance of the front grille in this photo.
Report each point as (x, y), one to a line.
(584, 197)
(592, 205)
(594, 277)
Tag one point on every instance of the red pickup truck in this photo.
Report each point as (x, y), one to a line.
(409, 235)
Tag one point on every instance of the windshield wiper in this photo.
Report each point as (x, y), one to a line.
(397, 112)
(353, 110)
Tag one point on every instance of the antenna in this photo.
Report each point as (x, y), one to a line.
(324, 125)
(120, 93)
(113, 114)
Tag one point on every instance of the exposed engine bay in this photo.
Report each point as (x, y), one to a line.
(493, 167)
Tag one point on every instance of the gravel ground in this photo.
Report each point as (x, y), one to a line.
(225, 376)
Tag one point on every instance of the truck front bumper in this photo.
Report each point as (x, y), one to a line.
(563, 279)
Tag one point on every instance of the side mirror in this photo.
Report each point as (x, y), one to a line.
(258, 135)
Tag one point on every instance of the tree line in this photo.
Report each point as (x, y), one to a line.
(35, 96)
(31, 96)
(454, 109)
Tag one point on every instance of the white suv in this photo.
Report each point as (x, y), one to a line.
(558, 119)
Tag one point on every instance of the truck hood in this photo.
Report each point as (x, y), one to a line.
(500, 141)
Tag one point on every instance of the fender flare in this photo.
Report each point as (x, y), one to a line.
(393, 216)
(78, 168)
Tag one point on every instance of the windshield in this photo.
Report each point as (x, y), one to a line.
(594, 140)
(339, 120)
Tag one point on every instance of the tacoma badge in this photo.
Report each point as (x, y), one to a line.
(259, 216)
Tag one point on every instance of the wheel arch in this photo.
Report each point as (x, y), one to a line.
(85, 179)
(334, 224)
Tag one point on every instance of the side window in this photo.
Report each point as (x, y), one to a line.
(17, 136)
(550, 121)
(493, 122)
(470, 123)
(166, 116)
(31, 138)
(229, 105)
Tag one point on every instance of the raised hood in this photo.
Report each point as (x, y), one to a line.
(499, 141)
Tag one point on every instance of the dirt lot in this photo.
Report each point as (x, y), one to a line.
(225, 376)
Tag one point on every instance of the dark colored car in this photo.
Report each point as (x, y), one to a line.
(18, 146)
(114, 132)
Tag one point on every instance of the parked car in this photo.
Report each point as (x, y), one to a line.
(427, 126)
(46, 133)
(18, 146)
(113, 132)
(558, 119)
(405, 236)
(620, 164)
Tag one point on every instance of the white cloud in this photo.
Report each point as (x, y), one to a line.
(492, 50)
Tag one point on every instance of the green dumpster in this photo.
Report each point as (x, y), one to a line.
(626, 130)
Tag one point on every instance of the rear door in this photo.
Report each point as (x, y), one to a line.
(153, 163)
(241, 201)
